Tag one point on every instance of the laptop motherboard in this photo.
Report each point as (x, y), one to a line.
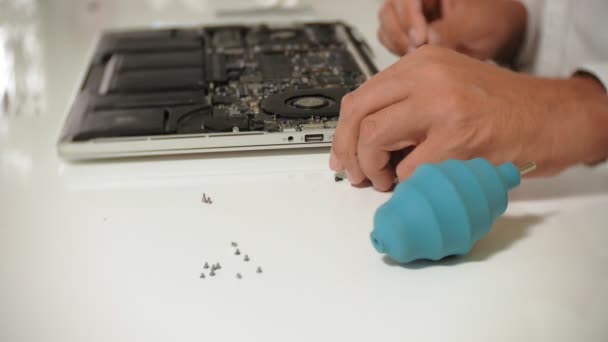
(217, 80)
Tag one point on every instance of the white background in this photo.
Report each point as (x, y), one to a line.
(112, 251)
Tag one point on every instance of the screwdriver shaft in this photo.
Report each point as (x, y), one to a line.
(527, 168)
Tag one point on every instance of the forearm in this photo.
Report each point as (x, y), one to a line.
(576, 115)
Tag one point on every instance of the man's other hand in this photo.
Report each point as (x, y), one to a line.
(484, 29)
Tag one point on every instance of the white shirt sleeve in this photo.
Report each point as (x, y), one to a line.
(529, 46)
(592, 64)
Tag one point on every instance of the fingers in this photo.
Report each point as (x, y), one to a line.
(374, 160)
(334, 162)
(344, 144)
(382, 90)
(357, 105)
(345, 136)
(412, 20)
(390, 32)
(395, 127)
(377, 167)
(408, 24)
(391, 129)
(403, 24)
(429, 151)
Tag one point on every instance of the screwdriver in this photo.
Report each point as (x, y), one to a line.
(444, 209)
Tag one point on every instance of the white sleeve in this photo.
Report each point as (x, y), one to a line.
(529, 46)
(599, 70)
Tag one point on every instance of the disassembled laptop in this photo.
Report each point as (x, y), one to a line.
(219, 88)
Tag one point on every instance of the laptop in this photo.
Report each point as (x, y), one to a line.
(214, 88)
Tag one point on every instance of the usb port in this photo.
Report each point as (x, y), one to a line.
(313, 137)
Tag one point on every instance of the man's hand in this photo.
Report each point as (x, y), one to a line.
(484, 29)
(449, 105)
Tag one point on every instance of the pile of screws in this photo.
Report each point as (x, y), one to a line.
(213, 268)
(207, 200)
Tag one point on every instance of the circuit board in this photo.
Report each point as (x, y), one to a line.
(218, 80)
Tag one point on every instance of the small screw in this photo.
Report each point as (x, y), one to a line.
(206, 200)
(259, 269)
(206, 265)
(202, 275)
(237, 252)
(233, 244)
(239, 276)
(246, 257)
(212, 273)
(339, 176)
(218, 266)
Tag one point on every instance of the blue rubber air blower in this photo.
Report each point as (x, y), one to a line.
(443, 209)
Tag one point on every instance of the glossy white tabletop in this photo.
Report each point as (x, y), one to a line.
(112, 251)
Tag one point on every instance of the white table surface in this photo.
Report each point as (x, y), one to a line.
(112, 251)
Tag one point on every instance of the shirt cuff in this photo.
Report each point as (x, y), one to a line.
(527, 50)
(599, 70)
